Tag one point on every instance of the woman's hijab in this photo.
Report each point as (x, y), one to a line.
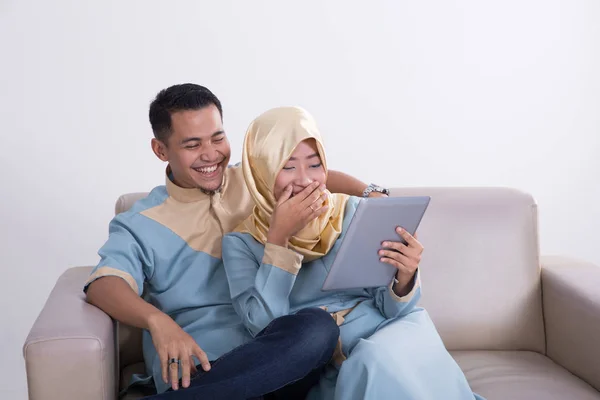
(269, 143)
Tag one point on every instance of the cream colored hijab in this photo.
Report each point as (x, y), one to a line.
(270, 141)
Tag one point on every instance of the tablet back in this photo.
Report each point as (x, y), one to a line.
(357, 265)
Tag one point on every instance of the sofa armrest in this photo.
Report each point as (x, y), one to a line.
(70, 351)
(571, 296)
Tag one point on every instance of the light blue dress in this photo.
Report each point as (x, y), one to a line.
(392, 347)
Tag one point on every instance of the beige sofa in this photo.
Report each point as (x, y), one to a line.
(520, 327)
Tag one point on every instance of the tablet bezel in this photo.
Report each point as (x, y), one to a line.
(408, 213)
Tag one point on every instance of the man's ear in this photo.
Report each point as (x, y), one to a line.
(160, 149)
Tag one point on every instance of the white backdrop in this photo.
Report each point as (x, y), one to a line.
(442, 93)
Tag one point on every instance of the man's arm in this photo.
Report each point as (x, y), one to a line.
(115, 287)
(115, 297)
(339, 182)
(117, 282)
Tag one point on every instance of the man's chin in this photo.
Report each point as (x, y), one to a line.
(210, 187)
(209, 191)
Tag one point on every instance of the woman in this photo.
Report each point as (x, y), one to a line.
(277, 260)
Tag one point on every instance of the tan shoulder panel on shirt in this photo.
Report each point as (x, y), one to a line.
(193, 222)
(202, 223)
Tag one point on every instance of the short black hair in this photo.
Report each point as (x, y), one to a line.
(186, 96)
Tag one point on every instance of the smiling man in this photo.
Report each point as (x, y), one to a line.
(193, 142)
(167, 247)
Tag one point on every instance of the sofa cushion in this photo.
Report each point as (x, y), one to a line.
(480, 270)
(520, 375)
(496, 375)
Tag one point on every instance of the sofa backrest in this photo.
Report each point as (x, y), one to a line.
(480, 270)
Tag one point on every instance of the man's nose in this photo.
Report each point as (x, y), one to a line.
(209, 154)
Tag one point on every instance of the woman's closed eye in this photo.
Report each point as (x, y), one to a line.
(291, 167)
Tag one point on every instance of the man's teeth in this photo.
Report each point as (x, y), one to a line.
(207, 170)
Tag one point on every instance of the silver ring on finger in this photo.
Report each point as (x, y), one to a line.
(174, 361)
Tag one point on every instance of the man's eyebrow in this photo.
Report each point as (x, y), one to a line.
(308, 158)
(190, 139)
(197, 139)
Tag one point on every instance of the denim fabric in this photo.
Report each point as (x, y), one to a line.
(282, 362)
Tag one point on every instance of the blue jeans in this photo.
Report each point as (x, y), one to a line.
(282, 362)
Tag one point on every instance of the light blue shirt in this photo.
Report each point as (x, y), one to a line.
(167, 247)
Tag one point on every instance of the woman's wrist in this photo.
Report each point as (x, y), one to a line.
(403, 284)
(276, 238)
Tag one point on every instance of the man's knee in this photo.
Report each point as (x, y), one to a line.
(319, 323)
(316, 331)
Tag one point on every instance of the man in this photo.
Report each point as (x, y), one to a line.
(169, 244)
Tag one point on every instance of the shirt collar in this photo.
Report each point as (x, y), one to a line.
(184, 195)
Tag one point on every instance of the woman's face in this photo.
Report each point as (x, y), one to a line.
(303, 168)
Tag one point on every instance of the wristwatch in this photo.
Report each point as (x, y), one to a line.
(374, 188)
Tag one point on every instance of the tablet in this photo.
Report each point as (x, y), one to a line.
(357, 264)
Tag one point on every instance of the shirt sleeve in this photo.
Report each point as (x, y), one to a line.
(391, 305)
(123, 255)
(259, 290)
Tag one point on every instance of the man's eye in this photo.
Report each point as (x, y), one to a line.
(191, 146)
(219, 140)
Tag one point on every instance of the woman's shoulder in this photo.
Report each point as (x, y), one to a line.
(354, 200)
(241, 241)
(351, 206)
(238, 237)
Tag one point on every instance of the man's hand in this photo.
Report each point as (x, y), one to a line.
(170, 342)
(291, 214)
(405, 259)
(114, 296)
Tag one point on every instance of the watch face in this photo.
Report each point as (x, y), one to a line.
(381, 190)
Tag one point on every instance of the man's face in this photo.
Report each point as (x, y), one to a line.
(197, 151)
